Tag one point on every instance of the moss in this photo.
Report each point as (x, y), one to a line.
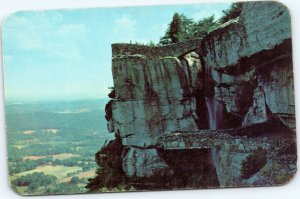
(109, 175)
(282, 178)
(253, 163)
(265, 171)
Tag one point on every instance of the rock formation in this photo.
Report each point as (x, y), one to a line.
(238, 77)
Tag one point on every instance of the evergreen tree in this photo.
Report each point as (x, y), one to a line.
(165, 40)
(204, 26)
(187, 28)
(175, 28)
(182, 28)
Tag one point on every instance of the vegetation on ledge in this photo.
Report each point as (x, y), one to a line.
(182, 28)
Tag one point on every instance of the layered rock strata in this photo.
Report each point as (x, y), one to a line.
(252, 67)
(241, 74)
(153, 93)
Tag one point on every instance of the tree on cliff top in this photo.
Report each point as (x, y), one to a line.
(182, 28)
(175, 28)
(204, 26)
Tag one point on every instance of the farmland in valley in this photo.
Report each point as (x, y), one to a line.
(55, 142)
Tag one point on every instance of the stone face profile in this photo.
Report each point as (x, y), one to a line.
(226, 97)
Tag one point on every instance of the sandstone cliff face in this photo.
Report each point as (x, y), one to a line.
(245, 36)
(252, 54)
(257, 113)
(153, 95)
(244, 78)
(252, 72)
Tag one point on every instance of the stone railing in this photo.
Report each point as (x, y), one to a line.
(173, 50)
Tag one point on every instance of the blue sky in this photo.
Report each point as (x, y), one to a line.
(66, 54)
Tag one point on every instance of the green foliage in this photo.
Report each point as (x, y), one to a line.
(165, 40)
(75, 180)
(175, 28)
(109, 175)
(182, 28)
(78, 133)
(64, 188)
(233, 12)
(204, 26)
(253, 163)
(34, 181)
(151, 43)
(21, 165)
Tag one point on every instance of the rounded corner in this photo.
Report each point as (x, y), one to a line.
(290, 178)
(284, 6)
(14, 189)
(7, 17)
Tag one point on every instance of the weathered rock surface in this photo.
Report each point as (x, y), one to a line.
(232, 152)
(153, 93)
(144, 163)
(245, 37)
(257, 113)
(251, 67)
(192, 67)
(246, 53)
(152, 96)
(278, 85)
(245, 69)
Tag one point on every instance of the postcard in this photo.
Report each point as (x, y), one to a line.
(168, 97)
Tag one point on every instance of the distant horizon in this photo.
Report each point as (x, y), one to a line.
(57, 100)
(53, 55)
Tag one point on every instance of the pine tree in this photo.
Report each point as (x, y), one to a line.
(204, 26)
(175, 28)
(182, 28)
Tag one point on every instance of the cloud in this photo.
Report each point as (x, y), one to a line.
(68, 29)
(125, 23)
(125, 29)
(45, 33)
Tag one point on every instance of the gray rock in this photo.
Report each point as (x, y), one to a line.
(144, 163)
(279, 92)
(257, 113)
(252, 75)
(228, 44)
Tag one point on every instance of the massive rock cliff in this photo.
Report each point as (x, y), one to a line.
(251, 60)
(153, 94)
(253, 57)
(239, 76)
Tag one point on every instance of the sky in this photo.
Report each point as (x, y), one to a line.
(66, 54)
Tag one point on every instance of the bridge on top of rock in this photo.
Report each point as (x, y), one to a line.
(172, 50)
(223, 139)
